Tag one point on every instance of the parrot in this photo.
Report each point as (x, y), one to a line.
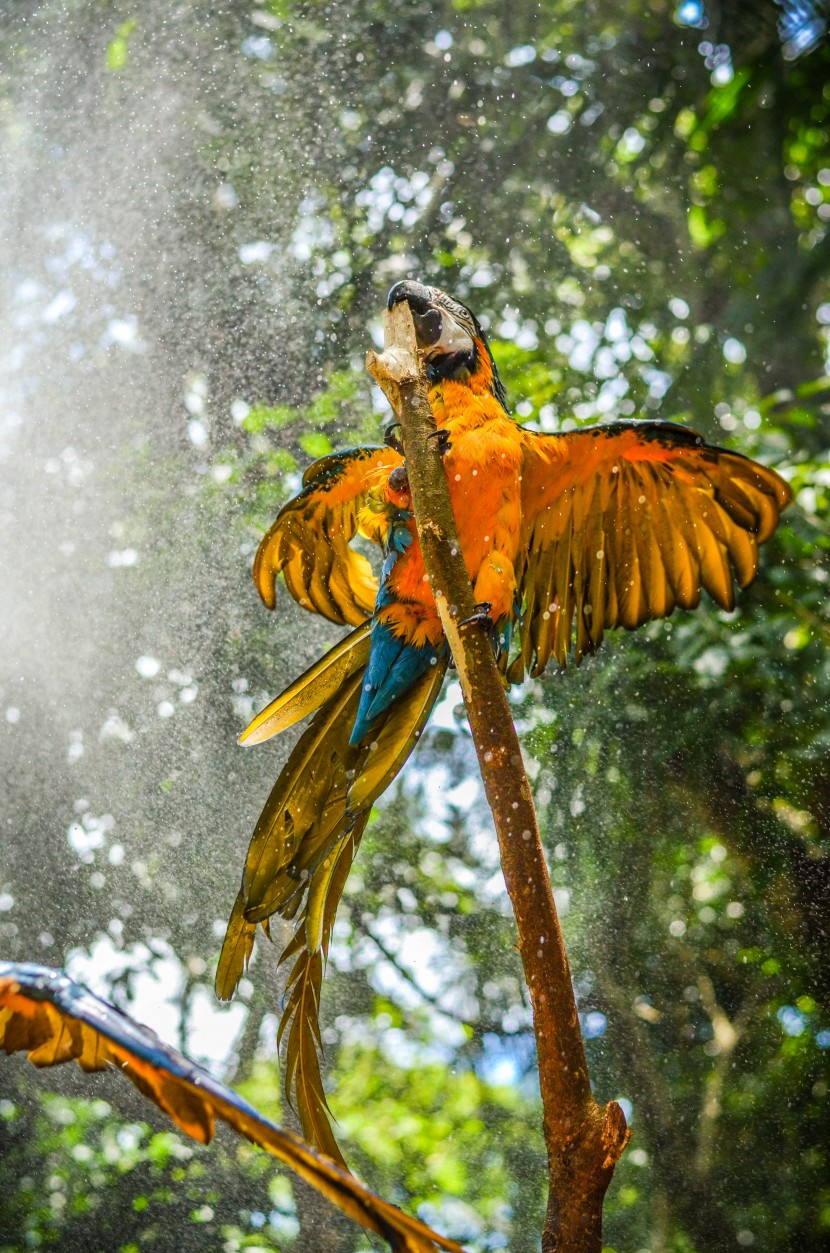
(564, 536)
(55, 1019)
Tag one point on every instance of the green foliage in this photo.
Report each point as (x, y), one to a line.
(118, 49)
(100, 1182)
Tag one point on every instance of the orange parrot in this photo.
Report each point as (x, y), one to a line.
(564, 536)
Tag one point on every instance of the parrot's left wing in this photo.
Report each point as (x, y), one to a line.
(309, 541)
(622, 522)
(56, 1020)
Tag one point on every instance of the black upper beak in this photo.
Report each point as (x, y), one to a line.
(425, 314)
(416, 295)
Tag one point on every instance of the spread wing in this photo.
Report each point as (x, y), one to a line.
(55, 1020)
(626, 520)
(309, 541)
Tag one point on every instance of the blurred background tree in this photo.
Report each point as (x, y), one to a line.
(204, 206)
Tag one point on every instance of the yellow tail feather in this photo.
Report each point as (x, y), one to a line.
(312, 689)
(304, 844)
(236, 950)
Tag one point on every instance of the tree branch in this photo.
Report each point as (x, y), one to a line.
(691, 1202)
(727, 1035)
(584, 1140)
(481, 1025)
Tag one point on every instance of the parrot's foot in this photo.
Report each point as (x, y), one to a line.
(481, 617)
(442, 438)
(390, 439)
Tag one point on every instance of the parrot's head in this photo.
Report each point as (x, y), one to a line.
(450, 338)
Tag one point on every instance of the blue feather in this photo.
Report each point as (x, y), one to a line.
(393, 667)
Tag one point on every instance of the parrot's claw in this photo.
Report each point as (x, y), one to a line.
(480, 616)
(390, 439)
(442, 438)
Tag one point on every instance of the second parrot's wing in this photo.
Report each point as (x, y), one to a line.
(309, 541)
(626, 520)
(54, 1019)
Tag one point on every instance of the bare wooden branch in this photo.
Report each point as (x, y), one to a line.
(584, 1139)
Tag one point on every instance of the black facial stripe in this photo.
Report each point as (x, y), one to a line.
(451, 365)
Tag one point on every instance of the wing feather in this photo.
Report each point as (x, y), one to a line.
(684, 569)
(712, 563)
(309, 541)
(546, 614)
(669, 514)
(655, 589)
(592, 530)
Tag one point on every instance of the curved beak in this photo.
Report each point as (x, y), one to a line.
(426, 315)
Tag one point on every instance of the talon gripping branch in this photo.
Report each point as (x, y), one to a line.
(564, 536)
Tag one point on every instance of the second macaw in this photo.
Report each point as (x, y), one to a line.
(563, 535)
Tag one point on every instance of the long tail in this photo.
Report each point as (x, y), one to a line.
(307, 837)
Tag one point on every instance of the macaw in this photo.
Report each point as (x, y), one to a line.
(54, 1019)
(563, 535)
